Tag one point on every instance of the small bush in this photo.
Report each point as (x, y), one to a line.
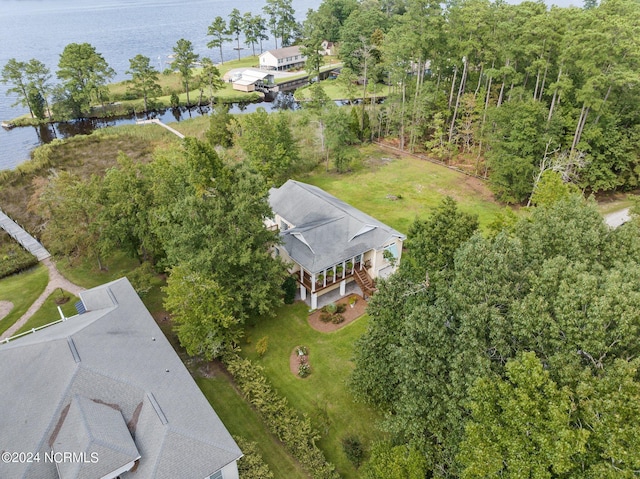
(337, 318)
(341, 308)
(326, 317)
(330, 308)
(304, 370)
(352, 447)
(251, 465)
(302, 351)
(262, 346)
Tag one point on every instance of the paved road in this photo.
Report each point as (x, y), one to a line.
(617, 218)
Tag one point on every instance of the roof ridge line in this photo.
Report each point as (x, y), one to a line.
(180, 432)
(341, 208)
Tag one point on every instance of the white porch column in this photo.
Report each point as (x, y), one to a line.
(303, 290)
(344, 269)
(343, 287)
(314, 300)
(313, 282)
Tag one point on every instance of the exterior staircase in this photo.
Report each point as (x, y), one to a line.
(365, 282)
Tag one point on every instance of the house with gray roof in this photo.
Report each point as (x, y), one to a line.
(104, 395)
(329, 243)
(285, 58)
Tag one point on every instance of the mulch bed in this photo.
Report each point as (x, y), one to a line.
(350, 314)
(294, 361)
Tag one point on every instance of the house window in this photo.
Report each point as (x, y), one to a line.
(277, 251)
(284, 226)
(390, 253)
(216, 475)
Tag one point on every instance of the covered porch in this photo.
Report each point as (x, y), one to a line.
(333, 282)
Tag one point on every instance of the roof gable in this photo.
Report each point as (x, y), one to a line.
(326, 229)
(122, 360)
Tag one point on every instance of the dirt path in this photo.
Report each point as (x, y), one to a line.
(56, 280)
(5, 308)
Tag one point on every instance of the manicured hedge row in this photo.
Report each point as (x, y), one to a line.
(296, 433)
(14, 259)
(251, 465)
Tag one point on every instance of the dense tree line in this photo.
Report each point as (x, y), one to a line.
(511, 354)
(524, 87)
(508, 91)
(188, 213)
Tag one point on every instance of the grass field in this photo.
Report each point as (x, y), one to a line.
(336, 91)
(22, 290)
(379, 176)
(324, 395)
(242, 420)
(48, 312)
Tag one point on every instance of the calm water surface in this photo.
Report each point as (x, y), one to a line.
(119, 29)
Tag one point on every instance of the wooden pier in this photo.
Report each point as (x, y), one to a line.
(27, 241)
(158, 122)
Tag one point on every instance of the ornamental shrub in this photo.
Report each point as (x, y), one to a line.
(295, 432)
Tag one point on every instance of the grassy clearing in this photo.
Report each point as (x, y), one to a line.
(380, 175)
(613, 202)
(87, 274)
(336, 91)
(324, 395)
(22, 290)
(242, 420)
(48, 312)
(82, 155)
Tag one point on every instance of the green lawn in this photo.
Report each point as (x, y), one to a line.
(22, 290)
(336, 91)
(417, 184)
(87, 274)
(615, 202)
(242, 420)
(324, 395)
(48, 312)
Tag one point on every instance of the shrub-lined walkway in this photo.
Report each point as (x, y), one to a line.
(56, 280)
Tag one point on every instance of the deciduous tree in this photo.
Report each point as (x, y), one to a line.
(84, 73)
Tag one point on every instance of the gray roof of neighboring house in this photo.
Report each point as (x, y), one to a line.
(93, 428)
(285, 52)
(326, 230)
(69, 378)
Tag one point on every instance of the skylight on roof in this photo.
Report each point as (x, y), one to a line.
(363, 230)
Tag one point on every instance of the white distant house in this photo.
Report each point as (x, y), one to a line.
(251, 80)
(104, 395)
(327, 48)
(282, 59)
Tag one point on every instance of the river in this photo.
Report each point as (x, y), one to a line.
(118, 29)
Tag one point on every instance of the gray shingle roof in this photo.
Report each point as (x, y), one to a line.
(285, 52)
(99, 431)
(125, 363)
(326, 230)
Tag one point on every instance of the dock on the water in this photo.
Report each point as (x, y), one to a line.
(27, 241)
(158, 122)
